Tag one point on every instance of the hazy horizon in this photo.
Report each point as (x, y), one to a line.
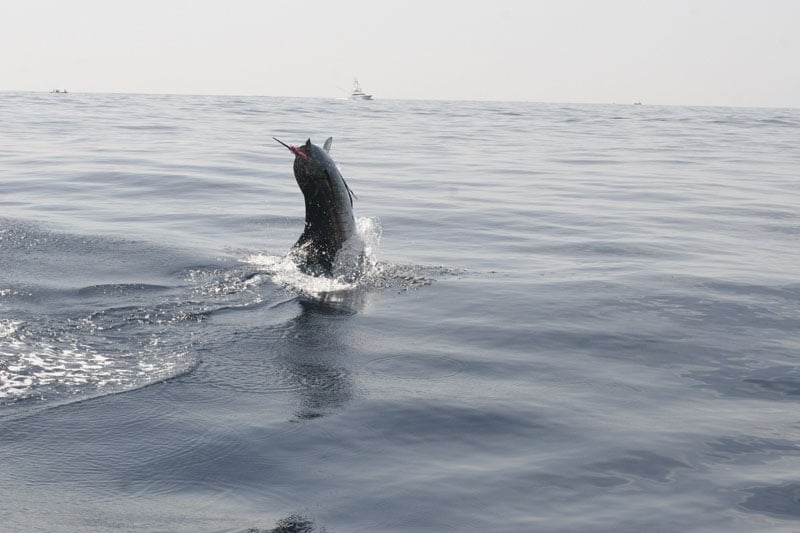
(281, 96)
(694, 53)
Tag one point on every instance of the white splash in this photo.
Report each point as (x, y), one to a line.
(7, 328)
(285, 272)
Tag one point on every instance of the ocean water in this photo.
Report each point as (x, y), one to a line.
(576, 318)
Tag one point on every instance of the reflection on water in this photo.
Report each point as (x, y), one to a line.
(290, 524)
(781, 501)
(316, 354)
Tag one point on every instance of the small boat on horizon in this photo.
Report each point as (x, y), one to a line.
(357, 93)
(59, 91)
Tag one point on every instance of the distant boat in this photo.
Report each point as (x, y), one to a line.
(638, 102)
(357, 93)
(59, 91)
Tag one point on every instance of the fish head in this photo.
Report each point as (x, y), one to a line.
(301, 152)
(311, 163)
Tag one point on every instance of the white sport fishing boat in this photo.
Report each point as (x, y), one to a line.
(357, 93)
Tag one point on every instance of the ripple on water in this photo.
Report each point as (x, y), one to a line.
(781, 501)
(133, 445)
(416, 366)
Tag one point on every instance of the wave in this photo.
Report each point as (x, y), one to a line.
(54, 364)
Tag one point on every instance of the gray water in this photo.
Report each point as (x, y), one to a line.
(576, 318)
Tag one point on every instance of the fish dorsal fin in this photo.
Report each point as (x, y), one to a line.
(327, 145)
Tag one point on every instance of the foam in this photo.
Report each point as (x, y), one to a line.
(285, 272)
(47, 369)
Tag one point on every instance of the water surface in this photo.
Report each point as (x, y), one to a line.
(579, 318)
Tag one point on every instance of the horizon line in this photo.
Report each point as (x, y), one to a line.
(484, 100)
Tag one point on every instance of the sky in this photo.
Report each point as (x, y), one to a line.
(672, 52)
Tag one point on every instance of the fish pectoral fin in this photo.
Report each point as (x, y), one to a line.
(346, 186)
(327, 145)
(350, 192)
